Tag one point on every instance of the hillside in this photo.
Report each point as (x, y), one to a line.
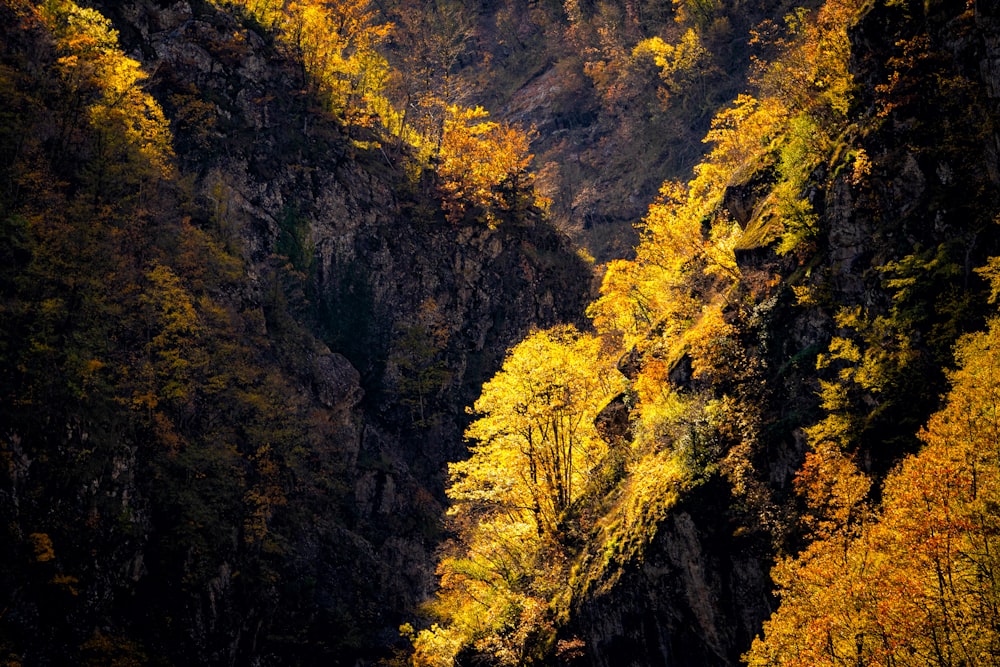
(237, 347)
(784, 332)
(619, 94)
(304, 358)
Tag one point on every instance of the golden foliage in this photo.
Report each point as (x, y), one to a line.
(42, 544)
(741, 135)
(679, 301)
(483, 163)
(536, 455)
(128, 117)
(681, 65)
(623, 305)
(917, 584)
(678, 264)
(174, 326)
(537, 445)
(337, 44)
(655, 483)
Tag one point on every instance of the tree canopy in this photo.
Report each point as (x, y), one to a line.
(515, 500)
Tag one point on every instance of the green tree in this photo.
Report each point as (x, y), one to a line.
(418, 357)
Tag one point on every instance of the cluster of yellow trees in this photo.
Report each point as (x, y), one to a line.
(540, 480)
(915, 581)
(910, 582)
(133, 128)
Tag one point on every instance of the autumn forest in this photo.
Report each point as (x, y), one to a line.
(442, 333)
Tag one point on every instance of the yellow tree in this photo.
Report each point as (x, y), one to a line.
(338, 43)
(921, 585)
(431, 38)
(683, 65)
(134, 144)
(537, 451)
(483, 162)
(677, 265)
(537, 445)
(623, 307)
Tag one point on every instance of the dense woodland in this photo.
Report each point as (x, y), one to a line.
(502, 333)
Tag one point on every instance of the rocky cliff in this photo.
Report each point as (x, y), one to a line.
(295, 524)
(898, 239)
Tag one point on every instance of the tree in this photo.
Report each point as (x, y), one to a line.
(431, 37)
(337, 43)
(537, 444)
(133, 142)
(418, 358)
(683, 65)
(537, 450)
(483, 163)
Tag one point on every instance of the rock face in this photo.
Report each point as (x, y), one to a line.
(385, 276)
(387, 317)
(287, 177)
(697, 598)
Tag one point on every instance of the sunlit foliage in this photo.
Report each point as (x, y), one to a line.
(337, 44)
(678, 313)
(682, 66)
(916, 583)
(685, 233)
(537, 430)
(677, 262)
(518, 496)
(483, 163)
(107, 87)
(795, 118)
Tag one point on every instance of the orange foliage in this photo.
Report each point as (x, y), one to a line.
(483, 163)
(918, 584)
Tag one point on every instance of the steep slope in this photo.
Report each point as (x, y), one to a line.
(785, 328)
(620, 94)
(237, 345)
(850, 331)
